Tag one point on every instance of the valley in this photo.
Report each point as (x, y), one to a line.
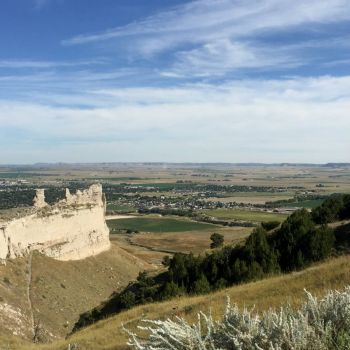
(155, 211)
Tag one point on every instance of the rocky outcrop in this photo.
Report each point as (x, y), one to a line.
(39, 199)
(72, 229)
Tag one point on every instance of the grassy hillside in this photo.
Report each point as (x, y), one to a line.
(60, 291)
(264, 294)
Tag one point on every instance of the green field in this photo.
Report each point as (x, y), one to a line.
(159, 225)
(245, 215)
(21, 175)
(120, 208)
(308, 203)
(258, 194)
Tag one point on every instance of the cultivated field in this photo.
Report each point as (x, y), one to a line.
(245, 215)
(157, 224)
(222, 191)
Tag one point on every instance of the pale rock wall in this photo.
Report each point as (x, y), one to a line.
(73, 229)
(39, 199)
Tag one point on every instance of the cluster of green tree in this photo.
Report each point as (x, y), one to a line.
(342, 238)
(295, 245)
(23, 197)
(298, 242)
(111, 189)
(336, 207)
(22, 175)
(16, 197)
(217, 240)
(297, 199)
(270, 225)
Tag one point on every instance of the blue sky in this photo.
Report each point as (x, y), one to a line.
(177, 81)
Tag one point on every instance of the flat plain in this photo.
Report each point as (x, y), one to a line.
(158, 193)
(158, 224)
(246, 215)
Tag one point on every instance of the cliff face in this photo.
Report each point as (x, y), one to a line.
(72, 229)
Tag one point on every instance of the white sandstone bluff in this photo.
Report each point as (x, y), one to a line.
(72, 229)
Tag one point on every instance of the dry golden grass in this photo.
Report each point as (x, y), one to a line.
(148, 255)
(60, 291)
(268, 293)
(197, 242)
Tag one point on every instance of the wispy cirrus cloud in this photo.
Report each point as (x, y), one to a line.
(205, 20)
(17, 64)
(207, 37)
(219, 57)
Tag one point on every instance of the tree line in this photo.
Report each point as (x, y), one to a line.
(303, 238)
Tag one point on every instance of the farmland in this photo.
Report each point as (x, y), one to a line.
(160, 225)
(245, 215)
(174, 204)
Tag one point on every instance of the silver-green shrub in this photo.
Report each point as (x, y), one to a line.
(317, 325)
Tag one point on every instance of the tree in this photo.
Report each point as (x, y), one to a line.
(319, 244)
(171, 289)
(270, 225)
(201, 286)
(258, 251)
(166, 261)
(299, 242)
(217, 240)
(127, 300)
(332, 209)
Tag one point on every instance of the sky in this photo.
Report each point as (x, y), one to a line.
(174, 81)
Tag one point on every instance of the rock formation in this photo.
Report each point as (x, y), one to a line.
(39, 199)
(72, 229)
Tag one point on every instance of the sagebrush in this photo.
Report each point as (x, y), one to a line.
(317, 325)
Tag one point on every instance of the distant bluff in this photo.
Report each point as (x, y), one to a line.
(72, 229)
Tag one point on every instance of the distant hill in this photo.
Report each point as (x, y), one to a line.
(337, 165)
(121, 165)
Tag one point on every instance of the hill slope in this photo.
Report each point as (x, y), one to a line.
(52, 294)
(271, 292)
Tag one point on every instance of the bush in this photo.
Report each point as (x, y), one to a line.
(217, 240)
(127, 300)
(201, 286)
(317, 325)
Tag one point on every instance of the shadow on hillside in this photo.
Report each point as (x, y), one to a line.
(116, 303)
(342, 238)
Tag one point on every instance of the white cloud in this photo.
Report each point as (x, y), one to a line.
(18, 64)
(205, 20)
(294, 120)
(222, 56)
(207, 37)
